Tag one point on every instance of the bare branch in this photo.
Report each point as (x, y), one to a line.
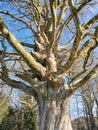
(19, 19)
(91, 75)
(19, 85)
(53, 12)
(88, 56)
(3, 65)
(83, 52)
(64, 47)
(25, 54)
(27, 45)
(77, 40)
(69, 19)
(81, 83)
(62, 13)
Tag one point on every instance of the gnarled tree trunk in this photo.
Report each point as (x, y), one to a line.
(54, 115)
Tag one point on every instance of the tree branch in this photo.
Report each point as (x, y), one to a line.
(85, 27)
(83, 52)
(70, 90)
(69, 19)
(19, 48)
(91, 75)
(19, 19)
(19, 85)
(77, 40)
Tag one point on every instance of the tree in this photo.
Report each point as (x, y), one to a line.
(89, 100)
(18, 119)
(46, 66)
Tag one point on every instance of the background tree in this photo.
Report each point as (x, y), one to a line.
(19, 118)
(45, 62)
(84, 113)
(89, 101)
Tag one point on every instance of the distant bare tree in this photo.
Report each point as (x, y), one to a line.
(88, 102)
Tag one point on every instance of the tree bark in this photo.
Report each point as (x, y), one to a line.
(53, 115)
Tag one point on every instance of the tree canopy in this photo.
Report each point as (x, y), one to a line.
(49, 22)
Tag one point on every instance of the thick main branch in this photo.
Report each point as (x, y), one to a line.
(37, 67)
(19, 85)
